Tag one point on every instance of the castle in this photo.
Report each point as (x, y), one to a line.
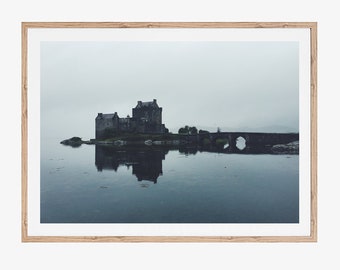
(146, 118)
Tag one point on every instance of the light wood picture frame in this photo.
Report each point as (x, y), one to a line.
(30, 151)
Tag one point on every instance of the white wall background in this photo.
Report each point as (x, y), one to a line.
(16, 255)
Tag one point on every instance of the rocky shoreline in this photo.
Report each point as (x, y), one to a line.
(289, 148)
(77, 141)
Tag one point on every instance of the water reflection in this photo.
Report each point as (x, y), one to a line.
(194, 184)
(146, 161)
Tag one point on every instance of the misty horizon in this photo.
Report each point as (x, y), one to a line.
(210, 85)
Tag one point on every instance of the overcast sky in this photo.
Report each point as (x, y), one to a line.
(250, 86)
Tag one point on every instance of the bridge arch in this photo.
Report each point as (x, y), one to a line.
(240, 142)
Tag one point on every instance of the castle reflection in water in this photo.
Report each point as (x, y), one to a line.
(146, 163)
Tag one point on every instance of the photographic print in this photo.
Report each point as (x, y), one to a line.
(169, 132)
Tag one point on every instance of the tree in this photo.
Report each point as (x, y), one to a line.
(187, 130)
(182, 131)
(193, 130)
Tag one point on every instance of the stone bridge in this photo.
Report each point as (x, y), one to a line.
(252, 139)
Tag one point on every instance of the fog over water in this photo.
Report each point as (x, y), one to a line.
(249, 86)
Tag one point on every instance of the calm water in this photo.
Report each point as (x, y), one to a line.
(92, 184)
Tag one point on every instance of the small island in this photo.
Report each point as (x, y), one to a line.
(145, 128)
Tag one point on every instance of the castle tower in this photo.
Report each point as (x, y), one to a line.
(148, 112)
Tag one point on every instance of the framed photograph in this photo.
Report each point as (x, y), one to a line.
(169, 132)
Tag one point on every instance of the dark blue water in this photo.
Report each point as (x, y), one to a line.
(93, 184)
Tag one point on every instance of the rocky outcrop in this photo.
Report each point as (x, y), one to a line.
(75, 142)
(289, 148)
